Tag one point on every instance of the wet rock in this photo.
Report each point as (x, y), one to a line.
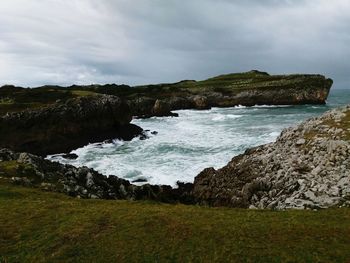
(140, 180)
(84, 182)
(70, 156)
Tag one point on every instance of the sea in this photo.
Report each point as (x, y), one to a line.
(178, 148)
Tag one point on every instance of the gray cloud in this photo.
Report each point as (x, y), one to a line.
(150, 41)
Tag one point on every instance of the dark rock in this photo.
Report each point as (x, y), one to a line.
(7, 155)
(84, 182)
(143, 137)
(67, 126)
(70, 156)
(129, 131)
(141, 106)
(154, 132)
(180, 103)
(140, 180)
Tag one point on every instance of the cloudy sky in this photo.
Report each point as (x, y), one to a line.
(151, 41)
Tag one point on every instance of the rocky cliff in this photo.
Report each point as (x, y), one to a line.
(249, 88)
(64, 126)
(33, 171)
(307, 167)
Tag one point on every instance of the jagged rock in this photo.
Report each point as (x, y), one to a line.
(162, 108)
(311, 173)
(62, 127)
(71, 156)
(7, 155)
(248, 88)
(83, 182)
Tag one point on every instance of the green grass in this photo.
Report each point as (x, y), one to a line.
(38, 226)
(83, 93)
(17, 99)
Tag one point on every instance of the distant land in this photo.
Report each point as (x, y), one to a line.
(248, 88)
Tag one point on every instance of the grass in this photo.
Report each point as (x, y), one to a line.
(38, 226)
(17, 99)
(83, 93)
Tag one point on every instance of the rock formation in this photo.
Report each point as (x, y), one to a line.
(307, 167)
(33, 171)
(64, 126)
(247, 89)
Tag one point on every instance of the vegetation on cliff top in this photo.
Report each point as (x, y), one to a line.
(13, 99)
(37, 226)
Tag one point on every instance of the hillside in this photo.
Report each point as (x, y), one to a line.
(37, 226)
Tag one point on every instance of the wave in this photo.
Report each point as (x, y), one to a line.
(223, 117)
(272, 106)
(262, 106)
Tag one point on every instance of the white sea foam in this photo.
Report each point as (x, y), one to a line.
(272, 106)
(223, 117)
(186, 145)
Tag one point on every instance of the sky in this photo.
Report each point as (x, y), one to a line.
(136, 42)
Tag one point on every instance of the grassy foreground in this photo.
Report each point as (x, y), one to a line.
(38, 226)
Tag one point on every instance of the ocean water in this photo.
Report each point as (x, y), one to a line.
(186, 145)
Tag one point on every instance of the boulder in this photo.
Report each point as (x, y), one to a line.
(161, 108)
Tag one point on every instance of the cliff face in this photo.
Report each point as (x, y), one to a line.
(307, 167)
(64, 126)
(248, 89)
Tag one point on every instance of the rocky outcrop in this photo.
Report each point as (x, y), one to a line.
(64, 126)
(162, 109)
(307, 167)
(247, 89)
(33, 171)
